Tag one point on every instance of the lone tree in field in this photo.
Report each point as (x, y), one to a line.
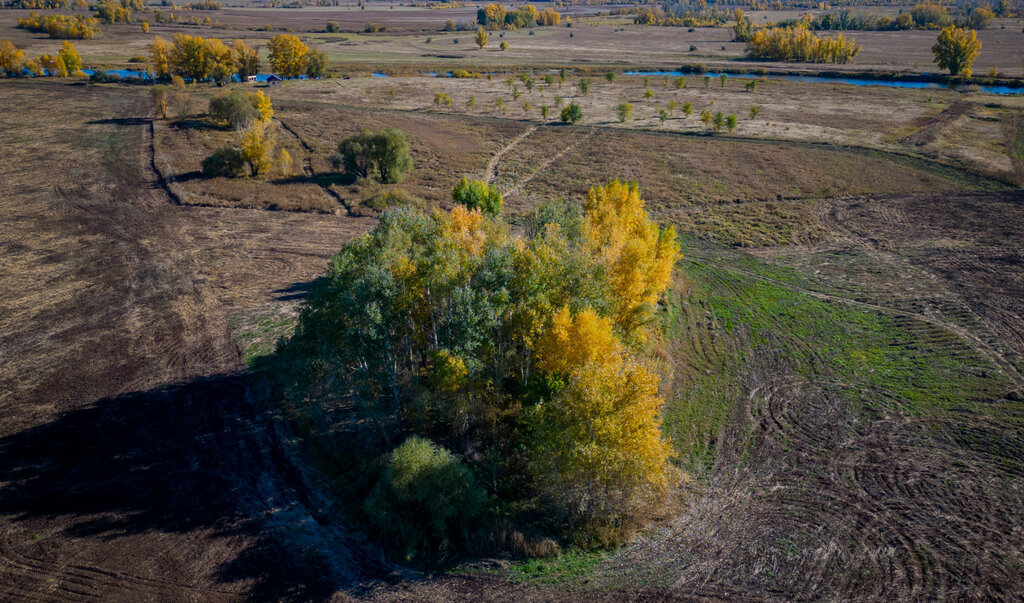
(503, 45)
(316, 63)
(572, 113)
(381, 155)
(956, 49)
(481, 38)
(625, 111)
(443, 99)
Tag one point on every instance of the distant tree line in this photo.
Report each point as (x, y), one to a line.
(61, 27)
(199, 59)
(924, 15)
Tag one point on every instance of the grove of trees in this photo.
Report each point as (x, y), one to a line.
(67, 27)
(800, 44)
(496, 16)
(66, 62)
(199, 59)
(469, 383)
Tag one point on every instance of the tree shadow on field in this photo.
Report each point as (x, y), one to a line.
(295, 291)
(202, 456)
(324, 179)
(121, 121)
(198, 123)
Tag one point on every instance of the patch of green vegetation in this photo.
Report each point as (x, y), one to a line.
(955, 174)
(257, 334)
(760, 224)
(876, 360)
(569, 567)
(1017, 145)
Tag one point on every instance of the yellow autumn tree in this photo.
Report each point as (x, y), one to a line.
(256, 144)
(288, 55)
(639, 257)
(10, 58)
(54, 65)
(955, 50)
(160, 57)
(596, 447)
(69, 55)
(247, 60)
(261, 103)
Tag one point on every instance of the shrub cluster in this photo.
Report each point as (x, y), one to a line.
(513, 369)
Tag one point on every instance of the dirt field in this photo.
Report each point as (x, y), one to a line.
(845, 353)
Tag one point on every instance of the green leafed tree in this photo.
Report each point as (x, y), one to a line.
(379, 155)
(477, 194)
(572, 113)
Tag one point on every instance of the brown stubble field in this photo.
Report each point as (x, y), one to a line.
(137, 462)
(126, 425)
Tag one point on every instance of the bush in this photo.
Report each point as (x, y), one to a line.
(234, 108)
(572, 113)
(225, 161)
(381, 155)
(426, 501)
(478, 195)
(102, 77)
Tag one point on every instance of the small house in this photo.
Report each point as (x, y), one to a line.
(273, 80)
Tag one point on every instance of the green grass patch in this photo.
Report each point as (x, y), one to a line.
(256, 334)
(880, 361)
(874, 361)
(569, 567)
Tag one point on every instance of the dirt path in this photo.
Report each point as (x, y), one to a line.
(492, 166)
(543, 166)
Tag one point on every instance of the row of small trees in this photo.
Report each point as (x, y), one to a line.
(199, 59)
